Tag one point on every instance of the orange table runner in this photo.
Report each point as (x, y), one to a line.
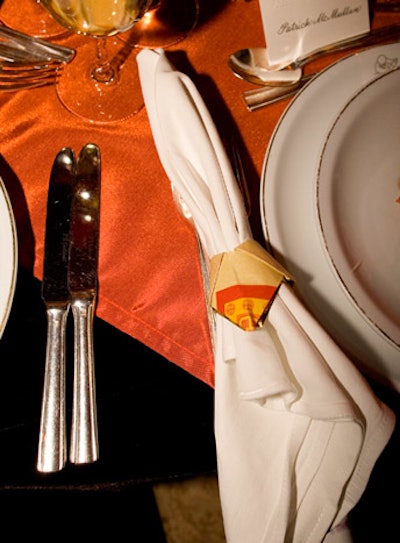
(149, 275)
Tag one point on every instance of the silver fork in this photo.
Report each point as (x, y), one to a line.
(27, 62)
(17, 77)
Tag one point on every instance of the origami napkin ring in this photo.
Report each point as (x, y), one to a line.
(244, 282)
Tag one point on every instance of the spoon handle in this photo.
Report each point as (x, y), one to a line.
(264, 96)
(374, 37)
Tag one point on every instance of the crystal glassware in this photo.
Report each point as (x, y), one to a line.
(28, 16)
(166, 23)
(101, 84)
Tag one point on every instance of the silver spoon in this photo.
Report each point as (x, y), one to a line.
(264, 96)
(252, 64)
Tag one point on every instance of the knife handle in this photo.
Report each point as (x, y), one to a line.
(84, 433)
(52, 434)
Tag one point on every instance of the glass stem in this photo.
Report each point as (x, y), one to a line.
(103, 72)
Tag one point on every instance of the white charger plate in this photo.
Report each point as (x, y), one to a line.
(288, 207)
(8, 256)
(358, 190)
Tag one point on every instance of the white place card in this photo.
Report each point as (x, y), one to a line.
(294, 28)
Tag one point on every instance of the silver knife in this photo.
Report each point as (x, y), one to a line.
(55, 293)
(84, 248)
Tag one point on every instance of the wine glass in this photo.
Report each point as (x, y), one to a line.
(29, 16)
(101, 85)
(166, 23)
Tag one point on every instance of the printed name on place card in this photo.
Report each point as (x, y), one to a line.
(294, 28)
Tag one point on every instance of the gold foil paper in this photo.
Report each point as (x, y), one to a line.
(244, 282)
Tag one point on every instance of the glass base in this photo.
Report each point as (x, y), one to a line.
(30, 17)
(101, 102)
(170, 22)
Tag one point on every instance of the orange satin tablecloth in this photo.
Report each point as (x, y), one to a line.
(150, 283)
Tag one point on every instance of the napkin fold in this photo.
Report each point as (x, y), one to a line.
(297, 427)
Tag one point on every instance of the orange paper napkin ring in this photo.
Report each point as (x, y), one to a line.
(243, 283)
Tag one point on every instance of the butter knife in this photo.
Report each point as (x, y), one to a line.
(84, 247)
(55, 293)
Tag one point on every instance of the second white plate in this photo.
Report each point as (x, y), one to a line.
(8, 256)
(357, 201)
(288, 207)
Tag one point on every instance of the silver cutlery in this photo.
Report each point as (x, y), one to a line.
(70, 281)
(55, 293)
(17, 46)
(13, 56)
(27, 62)
(252, 64)
(84, 249)
(264, 96)
(18, 77)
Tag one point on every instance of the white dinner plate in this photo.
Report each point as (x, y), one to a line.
(358, 205)
(8, 256)
(288, 207)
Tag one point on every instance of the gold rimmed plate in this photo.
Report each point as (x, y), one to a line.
(288, 200)
(358, 204)
(8, 256)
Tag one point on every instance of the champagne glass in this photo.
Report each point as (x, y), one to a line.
(100, 85)
(166, 23)
(29, 16)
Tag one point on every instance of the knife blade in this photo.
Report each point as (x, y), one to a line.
(83, 281)
(55, 294)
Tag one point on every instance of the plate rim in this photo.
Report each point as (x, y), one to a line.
(379, 354)
(339, 274)
(9, 265)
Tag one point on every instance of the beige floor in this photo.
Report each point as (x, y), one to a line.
(190, 510)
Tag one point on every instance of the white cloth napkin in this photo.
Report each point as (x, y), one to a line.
(298, 430)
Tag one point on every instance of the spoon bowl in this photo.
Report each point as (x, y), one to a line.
(252, 65)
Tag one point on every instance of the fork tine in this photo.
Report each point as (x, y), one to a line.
(25, 85)
(21, 68)
(31, 66)
(11, 80)
(26, 75)
(26, 80)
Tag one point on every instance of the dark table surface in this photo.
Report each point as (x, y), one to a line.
(155, 424)
(155, 420)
